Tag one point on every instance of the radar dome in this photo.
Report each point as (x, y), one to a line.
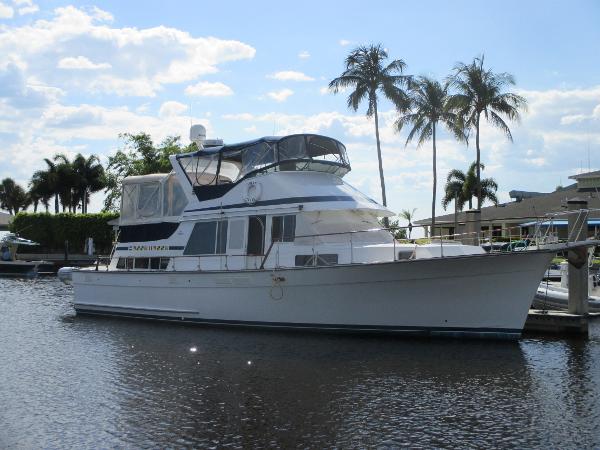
(198, 134)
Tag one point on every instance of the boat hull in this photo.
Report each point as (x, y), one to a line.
(482, 296)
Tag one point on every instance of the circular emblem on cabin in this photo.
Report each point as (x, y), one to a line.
(253, 191)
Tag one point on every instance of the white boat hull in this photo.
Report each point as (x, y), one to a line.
(487, 295)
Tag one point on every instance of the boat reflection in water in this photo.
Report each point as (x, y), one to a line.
(249, 388)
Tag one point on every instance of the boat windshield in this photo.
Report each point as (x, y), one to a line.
(231, 163)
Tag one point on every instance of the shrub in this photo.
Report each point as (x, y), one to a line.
(52, 230)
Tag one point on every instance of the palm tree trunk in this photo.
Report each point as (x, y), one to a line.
(434, 185)
(478, 163)
(56, 208)
(381, 180)
(455, 215)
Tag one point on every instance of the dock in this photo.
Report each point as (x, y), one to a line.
(541, 321)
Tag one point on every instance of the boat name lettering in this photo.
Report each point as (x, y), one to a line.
(143, 248)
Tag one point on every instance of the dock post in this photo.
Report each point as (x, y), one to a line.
(578, 261)
(472, 227)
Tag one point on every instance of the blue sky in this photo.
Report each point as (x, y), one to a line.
(75, 75)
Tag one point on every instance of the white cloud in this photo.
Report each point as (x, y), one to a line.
(143, 60)
(102, 15)
(6, 12)
(324, 90)
(16, 92)
(303, 54)
(280, 95)
(290, 75)
(251, 129)
(172, 108)
(206, 89)
(81, 62)
(344, 42)
(28, 10)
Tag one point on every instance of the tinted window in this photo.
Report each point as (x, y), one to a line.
(141, 263)
(202, 240)
(207, 238)
(283, 228)
(221, 237)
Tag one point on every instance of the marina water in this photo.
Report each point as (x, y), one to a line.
(81, 382)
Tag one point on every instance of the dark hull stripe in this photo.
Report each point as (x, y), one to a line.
(495, 333)
(281, 201)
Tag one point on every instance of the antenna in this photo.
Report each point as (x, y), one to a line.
(588, 147)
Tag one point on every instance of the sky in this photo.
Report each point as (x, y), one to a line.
(73, 76)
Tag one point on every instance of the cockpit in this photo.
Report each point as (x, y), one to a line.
(229, 164)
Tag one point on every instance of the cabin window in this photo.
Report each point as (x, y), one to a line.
(128, 201)
(207, 238)
(257, 156)
(283, 228)
(318, 260)
(236, 234)
(141, 263)
(174, 199)
(149, 200)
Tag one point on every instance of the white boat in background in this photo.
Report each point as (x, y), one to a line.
(10, 265)
(267, 233)
(555, 295)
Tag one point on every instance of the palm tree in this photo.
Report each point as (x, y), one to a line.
(67, 181)
(428, 107)
(89, 178)
(40, 190)
(480, 91)
(461, 187)
(409, 215)
(51, 178)
(367, 76)
(13, 197)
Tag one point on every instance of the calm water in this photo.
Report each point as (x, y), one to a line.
(79, 382)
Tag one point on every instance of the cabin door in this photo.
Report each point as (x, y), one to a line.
(255, 247)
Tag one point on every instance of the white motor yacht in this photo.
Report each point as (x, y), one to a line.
(267, 233)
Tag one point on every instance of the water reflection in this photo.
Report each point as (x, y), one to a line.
(89, 382)
(303, 389)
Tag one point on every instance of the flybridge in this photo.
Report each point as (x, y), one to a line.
(213, 171)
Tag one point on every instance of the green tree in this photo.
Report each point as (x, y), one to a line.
(89, 178)
(67, 181)
(481, 92)
(40, 190)
(367, 75)
(13, 197)
(461, 187)
(51, 180)
(428, 108)
(139, 156)
(397, 231)
(409, 216)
